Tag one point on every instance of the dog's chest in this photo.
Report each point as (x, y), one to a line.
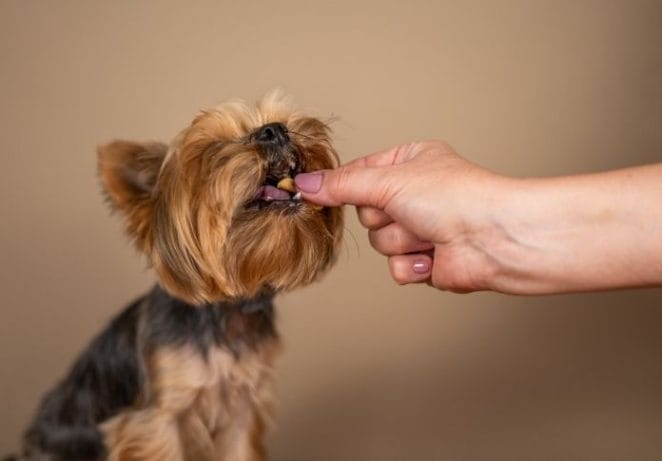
(207, 388)
(222, 399)
(202, 408)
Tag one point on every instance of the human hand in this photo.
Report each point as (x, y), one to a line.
(427, 209)
(445, 221)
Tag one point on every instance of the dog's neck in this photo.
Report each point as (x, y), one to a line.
(236, 324)
(260, 303)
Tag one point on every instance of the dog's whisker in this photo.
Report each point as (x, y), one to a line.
(349, 232)
(301, 134)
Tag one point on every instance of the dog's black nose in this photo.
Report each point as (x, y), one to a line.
(272, 133)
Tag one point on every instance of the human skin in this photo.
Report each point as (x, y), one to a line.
(457, 226)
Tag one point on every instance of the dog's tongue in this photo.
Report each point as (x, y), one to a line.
(273, 193)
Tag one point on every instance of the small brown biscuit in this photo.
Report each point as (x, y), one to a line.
(287, 184)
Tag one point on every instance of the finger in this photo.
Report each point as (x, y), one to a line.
(412, 268)
(361, 182)
(392, 156)
(394, 239)
(400, 153)
(372, 218)
(353, 185)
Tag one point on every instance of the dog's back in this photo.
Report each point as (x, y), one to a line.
(105, 378)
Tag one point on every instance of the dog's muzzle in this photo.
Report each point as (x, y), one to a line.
(283, 164)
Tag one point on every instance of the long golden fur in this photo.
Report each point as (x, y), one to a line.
(185, 372)
(190, 221)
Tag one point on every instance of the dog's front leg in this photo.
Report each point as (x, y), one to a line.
(164, 425)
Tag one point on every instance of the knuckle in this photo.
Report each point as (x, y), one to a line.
(398, 242)
(368, 217)
(343, 179)
(389, 241)
(373, 238)
(444, 281)
(444, 146)
(453, 277)
(381, 194)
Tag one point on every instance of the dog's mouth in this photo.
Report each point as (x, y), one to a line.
(277, 192)
(284, 162)
(280, 194)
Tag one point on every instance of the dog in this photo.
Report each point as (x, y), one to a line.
(185, 371)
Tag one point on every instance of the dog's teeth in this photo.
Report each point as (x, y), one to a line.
(297, 196)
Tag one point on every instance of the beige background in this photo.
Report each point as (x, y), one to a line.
(372, 371)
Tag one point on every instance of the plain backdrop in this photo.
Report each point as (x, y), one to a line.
(371, 370)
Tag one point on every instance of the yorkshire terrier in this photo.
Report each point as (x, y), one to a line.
(184, 372)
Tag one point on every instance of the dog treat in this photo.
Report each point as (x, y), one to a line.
(287, 184)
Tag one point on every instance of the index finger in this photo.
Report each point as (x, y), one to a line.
(392, 156)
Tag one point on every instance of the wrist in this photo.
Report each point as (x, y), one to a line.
(578, 233)
(509, 234)
(486, 250)
(526, 225)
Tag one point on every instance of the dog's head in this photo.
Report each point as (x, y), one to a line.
(210, 210)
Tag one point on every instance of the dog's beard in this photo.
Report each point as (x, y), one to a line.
(209, 212)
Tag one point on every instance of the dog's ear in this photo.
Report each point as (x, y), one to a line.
(128, 172)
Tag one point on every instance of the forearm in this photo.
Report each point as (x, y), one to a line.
(580, 233)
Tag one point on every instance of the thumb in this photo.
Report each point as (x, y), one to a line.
(349, 184)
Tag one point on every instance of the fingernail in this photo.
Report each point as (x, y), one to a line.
(309, 182)
(421, 266)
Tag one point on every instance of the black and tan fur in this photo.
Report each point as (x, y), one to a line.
(184, 372)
